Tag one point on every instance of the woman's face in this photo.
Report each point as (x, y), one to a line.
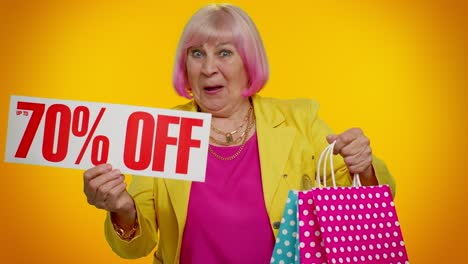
(217, 77)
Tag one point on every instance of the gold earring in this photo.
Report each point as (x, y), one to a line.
(189, 91)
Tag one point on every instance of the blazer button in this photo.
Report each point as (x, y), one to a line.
(276, 224)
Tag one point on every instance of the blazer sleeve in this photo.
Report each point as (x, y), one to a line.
(142, 191)
(319, 132)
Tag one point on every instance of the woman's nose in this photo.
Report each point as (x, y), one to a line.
(209, 66)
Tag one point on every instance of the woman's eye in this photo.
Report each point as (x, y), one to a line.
(225, 53)
(196, 53)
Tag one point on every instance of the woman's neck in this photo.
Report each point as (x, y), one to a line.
(233, 129)
(231, 118)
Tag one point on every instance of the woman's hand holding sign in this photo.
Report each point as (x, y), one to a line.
(105, 188)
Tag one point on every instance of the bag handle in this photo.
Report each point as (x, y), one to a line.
(327, 153)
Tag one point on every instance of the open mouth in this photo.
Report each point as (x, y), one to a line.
(213, 88)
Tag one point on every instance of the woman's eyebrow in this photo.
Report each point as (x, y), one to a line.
(195, 47)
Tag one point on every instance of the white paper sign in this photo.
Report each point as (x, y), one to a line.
(80, 135)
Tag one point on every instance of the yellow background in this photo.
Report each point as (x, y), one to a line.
(397, 69)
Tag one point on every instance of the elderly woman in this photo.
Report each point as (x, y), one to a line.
(260, 148)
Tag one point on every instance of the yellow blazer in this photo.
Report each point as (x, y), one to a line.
(290, 140)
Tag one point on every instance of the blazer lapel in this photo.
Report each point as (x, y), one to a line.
(179, 193)
(274, 143)
(179, 190)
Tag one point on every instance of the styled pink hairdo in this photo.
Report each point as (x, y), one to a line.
(218, 22)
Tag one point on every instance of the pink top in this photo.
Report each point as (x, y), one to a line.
(227, 221)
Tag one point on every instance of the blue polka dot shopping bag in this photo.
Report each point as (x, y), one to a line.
(356, 224)
(286, 249)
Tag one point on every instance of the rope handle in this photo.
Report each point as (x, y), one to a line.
(327, 153)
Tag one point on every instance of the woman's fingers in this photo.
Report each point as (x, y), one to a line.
(91, 187)
(103, 190)
(358, 163)
(90, 174)
(117, 198)
(355, 149)
(344, 139)
(109, 194)
(106, 189)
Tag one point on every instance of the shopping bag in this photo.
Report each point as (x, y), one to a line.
(286, 249)
(311, 246)
(356, 224)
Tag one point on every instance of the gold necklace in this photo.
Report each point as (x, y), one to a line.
(229, 135)
(235, 141)
(250, 124)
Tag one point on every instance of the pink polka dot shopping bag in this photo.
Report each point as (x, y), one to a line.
(356, 224)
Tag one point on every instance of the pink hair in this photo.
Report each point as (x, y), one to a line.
(217, 22)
